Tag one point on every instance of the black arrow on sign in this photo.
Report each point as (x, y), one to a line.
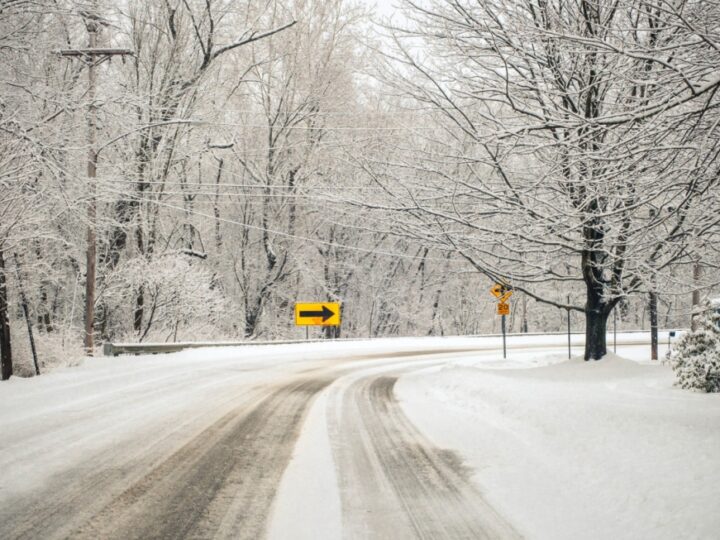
(325, 313)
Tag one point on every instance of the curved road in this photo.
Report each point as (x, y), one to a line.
(200, 451)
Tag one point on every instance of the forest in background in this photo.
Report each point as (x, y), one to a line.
(248, 155)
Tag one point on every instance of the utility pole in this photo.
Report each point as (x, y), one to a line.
(92, 56)
(90, 253)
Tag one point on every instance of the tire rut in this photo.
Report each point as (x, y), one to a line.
(221, 484)
(397, 484)
(52, 506)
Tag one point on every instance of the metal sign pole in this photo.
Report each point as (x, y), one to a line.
(503, 294)
(568, 326)
(614, 330)
(503, 333)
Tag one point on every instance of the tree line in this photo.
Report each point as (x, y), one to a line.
(244, 156)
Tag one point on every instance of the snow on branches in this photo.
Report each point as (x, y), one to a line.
(696, 357)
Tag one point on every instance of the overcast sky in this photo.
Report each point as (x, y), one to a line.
(383, 8)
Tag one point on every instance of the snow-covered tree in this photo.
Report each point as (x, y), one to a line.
(181, 300)
(566, 152)
(695, 358)
(244, 149)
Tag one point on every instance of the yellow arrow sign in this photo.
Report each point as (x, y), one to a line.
(317, 314)
(503, 309)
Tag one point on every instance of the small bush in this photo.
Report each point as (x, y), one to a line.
(54, 350)
(695, 359)
(180, 297)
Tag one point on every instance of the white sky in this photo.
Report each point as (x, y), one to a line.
(382, 8)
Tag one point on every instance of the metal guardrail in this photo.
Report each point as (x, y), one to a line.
(116, 349)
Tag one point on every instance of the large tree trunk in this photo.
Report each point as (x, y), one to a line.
(597, 306)
(6, 366)
(595, 333)
(596, 316)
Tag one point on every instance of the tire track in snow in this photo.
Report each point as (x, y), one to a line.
(217, 474)
(394, 482)
(221, 484)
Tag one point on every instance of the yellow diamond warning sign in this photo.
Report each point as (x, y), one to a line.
(501, 291)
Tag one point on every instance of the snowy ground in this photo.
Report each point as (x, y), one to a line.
(536, 444)
(571, 450)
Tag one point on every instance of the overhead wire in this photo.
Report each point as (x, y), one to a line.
(303, 238)
(262, 186)
(316, 203)
(197, 122)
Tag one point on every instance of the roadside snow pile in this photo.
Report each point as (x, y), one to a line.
(696, 356)
(573, 450)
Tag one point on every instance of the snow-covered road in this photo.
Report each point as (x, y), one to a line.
(195, 444)
(296, 441)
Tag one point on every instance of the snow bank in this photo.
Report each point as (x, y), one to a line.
(579, 450)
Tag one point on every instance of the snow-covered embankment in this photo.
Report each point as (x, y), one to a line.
(573, 450)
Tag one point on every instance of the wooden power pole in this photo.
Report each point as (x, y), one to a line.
(93, 56)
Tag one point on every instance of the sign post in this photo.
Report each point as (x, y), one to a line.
(503, 331)
(568, 321)
(615, 330)
(503, 293)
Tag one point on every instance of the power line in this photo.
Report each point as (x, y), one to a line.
(258, 186)
(314, 128)
(296, 237)
(194, 122)
(316, 205)
(320, 114)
